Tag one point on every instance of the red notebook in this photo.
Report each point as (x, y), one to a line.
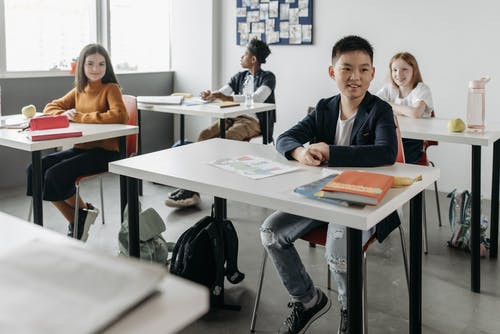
(358, 187)
(53, 134)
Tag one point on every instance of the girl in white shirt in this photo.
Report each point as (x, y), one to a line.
(408, 96)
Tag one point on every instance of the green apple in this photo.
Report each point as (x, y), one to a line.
(28, 111)
(456, 125)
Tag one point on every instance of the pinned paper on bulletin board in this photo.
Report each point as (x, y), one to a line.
(281, 22)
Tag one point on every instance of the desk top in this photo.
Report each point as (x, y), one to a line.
(179, 302)
(91, 132)
(437, 129)
(208, 109)
(188, 167)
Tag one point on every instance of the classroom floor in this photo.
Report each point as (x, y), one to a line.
(448, 304)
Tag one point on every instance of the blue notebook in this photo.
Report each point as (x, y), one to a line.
(308, 190)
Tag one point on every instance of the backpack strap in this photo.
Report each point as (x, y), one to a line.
(233, 275)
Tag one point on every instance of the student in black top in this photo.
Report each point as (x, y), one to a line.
(243, 127)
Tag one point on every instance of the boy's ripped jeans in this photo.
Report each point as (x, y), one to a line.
(279, 232)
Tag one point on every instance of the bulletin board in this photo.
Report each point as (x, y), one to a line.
(274, 21)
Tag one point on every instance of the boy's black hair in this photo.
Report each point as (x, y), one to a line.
(351, 43)
(259, 49)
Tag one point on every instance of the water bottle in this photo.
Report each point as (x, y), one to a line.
(248, 91)
(476, 105)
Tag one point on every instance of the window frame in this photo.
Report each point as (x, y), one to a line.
(100, 32)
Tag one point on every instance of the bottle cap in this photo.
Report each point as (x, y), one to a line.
(478, 84)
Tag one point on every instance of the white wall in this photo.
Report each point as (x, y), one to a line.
(453, 42)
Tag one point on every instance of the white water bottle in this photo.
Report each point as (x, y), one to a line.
(476, 105)
(248, 91)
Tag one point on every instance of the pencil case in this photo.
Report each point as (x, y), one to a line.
(49, 122)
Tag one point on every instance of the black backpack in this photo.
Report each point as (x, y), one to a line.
(199, 257)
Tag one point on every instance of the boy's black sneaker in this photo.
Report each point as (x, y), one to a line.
(343, 322)
(86, 217)
(299, 319)
(181, 198)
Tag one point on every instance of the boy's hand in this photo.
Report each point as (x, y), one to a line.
(306, 157)
(205, 94)
(321, 149)
(220, 96)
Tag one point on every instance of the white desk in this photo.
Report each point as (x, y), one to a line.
(187, 167)
(209, 110)
(179, 302)
(90, 132)
(436, 129)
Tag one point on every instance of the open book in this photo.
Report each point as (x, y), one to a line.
(56, 288)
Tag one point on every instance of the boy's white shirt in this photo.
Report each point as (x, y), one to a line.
(259, 96)
(344, 129)
(421, 92)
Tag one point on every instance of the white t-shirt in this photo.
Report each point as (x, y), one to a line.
(344, 129)
(422, 92)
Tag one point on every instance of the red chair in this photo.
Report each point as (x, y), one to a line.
(318, 237)
(131, 149)
(425, 162)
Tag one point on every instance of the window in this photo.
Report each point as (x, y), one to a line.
(139, 35)
(47, 35)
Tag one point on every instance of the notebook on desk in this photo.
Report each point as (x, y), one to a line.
(160, 99)
(53, 134)
(55, 288)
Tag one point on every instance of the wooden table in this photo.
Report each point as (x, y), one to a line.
(188, 167)
(437, 129)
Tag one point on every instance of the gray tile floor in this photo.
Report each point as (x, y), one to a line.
(448, 304)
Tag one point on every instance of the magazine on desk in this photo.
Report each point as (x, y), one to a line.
(253, 167)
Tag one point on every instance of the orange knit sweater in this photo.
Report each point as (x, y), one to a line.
(99, 103)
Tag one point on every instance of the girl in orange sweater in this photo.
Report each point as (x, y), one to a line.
(96, 98)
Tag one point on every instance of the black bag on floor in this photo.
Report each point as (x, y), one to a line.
(199, 257)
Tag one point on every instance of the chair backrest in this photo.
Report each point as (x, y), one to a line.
(401, 152)
(130, 102)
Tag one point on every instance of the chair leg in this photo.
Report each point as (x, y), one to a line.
(436, 192)
(75, 220)
(365, 295)
(102, 199)
(328, 278)
(259, 290)
(424, 225)
(30, 210)
(404, 248)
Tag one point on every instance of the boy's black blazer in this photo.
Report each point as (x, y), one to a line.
(373, 139)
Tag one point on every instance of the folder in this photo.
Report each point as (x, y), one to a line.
(53, 134)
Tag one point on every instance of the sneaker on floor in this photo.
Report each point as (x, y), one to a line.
(343, 322)
(299, 319)
(182, 198)
(86, 217)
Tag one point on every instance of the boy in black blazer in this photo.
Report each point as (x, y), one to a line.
(353, 128)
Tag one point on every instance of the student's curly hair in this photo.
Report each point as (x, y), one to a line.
(259, 49)
(81, 79)
(351, 43)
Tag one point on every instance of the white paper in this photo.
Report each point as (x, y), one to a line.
(262, 1)
(273, 9)
(303, 8)
(264, 11)
(294, 16)
(246, 3)
(254, 36)
(284, 27)
(306, 33)
(272, 37)
(241, 12)
(168, 99)
(243, 39)
(295, 34)
(243, 28)
(254, 4)
(270, 25)
(253, 167)
(290, 1)
(253, 16)
(284, 11)
(258, 28)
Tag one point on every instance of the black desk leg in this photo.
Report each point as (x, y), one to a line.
(354, 281)
(416, 264)
(475, 219)
(36, 186)
(123, 183)
(222, 134)
(133, 216)
(217, 296)
(494, 201)
(139, 145)
(266, 138)
(181, 129)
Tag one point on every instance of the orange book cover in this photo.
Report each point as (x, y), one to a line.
(360, 187)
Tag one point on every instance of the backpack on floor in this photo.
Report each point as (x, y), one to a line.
(199, 257)
(460, 222)
(152, 246)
